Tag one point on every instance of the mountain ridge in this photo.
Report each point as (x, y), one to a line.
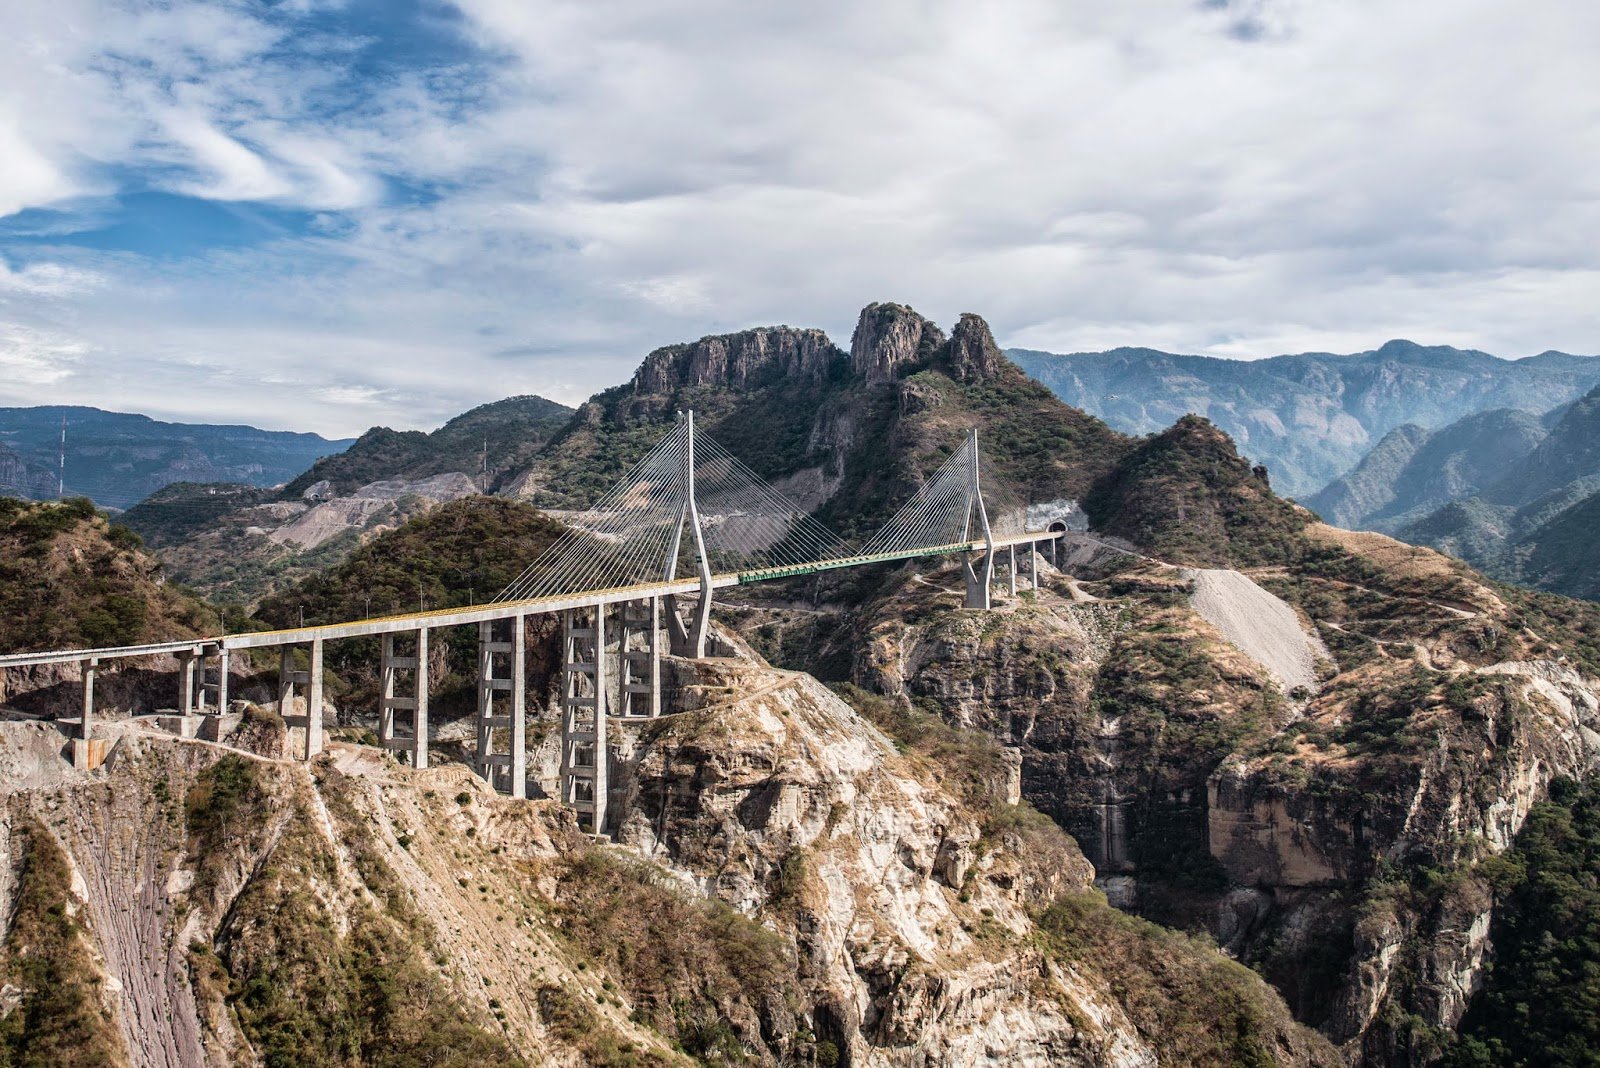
(1309, 417)
(118, 458)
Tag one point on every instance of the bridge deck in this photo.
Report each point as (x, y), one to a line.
(452, 617)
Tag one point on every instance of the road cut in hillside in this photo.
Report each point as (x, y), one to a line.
(1259, 625)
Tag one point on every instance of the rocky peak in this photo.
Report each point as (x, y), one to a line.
(889, 337)
(737, 360)
(974, 357)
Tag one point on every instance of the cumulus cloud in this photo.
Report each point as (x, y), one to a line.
(527, 195)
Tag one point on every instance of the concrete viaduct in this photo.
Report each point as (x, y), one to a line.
(613, 624)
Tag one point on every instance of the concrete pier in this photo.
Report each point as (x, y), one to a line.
(502, 704)
(403, 719)
(583, 716)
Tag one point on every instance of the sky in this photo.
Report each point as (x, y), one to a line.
(331, 214)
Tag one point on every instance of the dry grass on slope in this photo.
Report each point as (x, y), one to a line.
(61, 1017)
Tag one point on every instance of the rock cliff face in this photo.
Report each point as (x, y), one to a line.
(847, 438)
(1327, 831)
(974, 356)
(889, 338)
(737, 361)
(783, 802)
(791, 887)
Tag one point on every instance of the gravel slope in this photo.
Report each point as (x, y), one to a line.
(1259, 625)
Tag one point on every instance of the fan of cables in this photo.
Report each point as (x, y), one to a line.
(638, 532)
(941, 513)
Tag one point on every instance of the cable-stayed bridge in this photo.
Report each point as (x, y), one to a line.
(632, 574)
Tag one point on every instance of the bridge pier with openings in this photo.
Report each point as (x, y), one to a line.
(403, 708)
(502, 704)
(293, 681)
(584, 688)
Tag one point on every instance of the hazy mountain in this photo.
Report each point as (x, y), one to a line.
(18, 478)
(1308, 417)
(118, 459)
(1413, 471)
(238, 544)
(1529, 519)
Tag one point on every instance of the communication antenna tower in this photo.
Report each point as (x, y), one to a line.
(61, 461)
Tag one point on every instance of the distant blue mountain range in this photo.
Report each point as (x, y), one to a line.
(118, 459)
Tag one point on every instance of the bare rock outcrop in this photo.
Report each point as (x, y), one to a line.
(737, 360)
(784, 802)
(330, 518)
(889, 338)
(974, 356)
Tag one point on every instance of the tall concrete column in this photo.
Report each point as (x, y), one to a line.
(222, 679)
(199, 689)
(519, 706)
(186, 662)
(1012, 551)
(86, 728)
(286, 680)
(639, 659)
(413, 710)
(386, 680)
(1033, 563)
(314, 701)
(583, 717)
(419, 747)
(980, 581)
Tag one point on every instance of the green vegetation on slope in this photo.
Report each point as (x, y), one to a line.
(1540, 1004)
(60, 1021)
(181, 509)
(1195, 1006)
(68, 578)
(304, 994)
(694, 969)
(1188, 497)
(465, 551)
(509, 432)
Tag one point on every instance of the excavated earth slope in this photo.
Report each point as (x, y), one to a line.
(1259, 625)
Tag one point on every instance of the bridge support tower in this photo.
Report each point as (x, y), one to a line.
(583, 715)
(291, 679)
(502, 704)
(980, 577)
(402, 718)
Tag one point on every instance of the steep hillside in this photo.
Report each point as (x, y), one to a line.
(1186, 495)
(1413, 471)
(1539, 1004)
(18, 478)
(505, 434)
(1328, 834)
(1569, 454)
(68, 578)
(118, 459)
(823, 896)
(180, 510)
(1309, 417)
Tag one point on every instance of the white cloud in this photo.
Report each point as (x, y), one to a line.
(1241, 178)
(33, 358)
(47, 280)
